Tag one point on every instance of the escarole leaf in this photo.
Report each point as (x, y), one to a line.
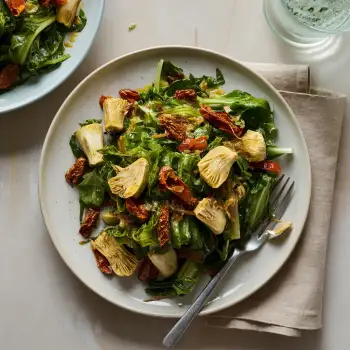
(187, 278)
(158, 75)
(120, 204)
(7, 21)
(223, 247)
(80, 22)
(274, 152)
(122, 235)
(180, 231)
(105, 172)
(210, 82)
(256, 203)
(47, 51)
(220, 80)
(91, 190)
(197, 84)
(182, 284)
(90, 121)
(203, 130)
(146, 235)
(239, 101)
(187, 170)
(183, 84)
(243, 166)
(75, 147)
(187, 231)
(187, 164)
(184, 110)
(150, 116)
(170, 70)
(151, 94)
(31, 27)
(215, 143)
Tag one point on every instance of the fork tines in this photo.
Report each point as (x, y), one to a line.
(280, 200)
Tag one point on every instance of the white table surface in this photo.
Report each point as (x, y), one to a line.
(42, 305)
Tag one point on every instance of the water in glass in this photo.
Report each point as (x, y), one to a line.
(323, 15)
(307, 21)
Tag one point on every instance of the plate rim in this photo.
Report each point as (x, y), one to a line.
(242, 66)
(66, 75)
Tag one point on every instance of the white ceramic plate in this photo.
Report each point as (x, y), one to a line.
(39, 86)
(60, 205)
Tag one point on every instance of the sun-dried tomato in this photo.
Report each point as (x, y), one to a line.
(179, 76)
(129, 95)
(103, 99)
(8, 75)
(175, 126)
(90, 219)
(221, 120)
(268, 165)
(169, 179)
(163, 227)
(75, 173)
(198, 144)
(188, 95)
(147, 271)
(16, 6)
(102, 262)
(45, 3)
(186, 145)
(59, 2)
(137, 208)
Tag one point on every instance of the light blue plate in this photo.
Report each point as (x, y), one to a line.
(37, 87)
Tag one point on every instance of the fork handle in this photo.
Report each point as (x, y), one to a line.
(181, 326)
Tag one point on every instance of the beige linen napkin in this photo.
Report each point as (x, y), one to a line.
(292, 300)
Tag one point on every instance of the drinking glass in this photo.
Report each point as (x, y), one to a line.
(307, 22)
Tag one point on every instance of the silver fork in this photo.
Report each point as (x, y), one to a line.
(279, 201)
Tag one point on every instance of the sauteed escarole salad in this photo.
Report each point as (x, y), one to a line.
(180, 173)
(32, 37)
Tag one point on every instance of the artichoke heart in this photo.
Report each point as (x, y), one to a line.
(216, 165)
(115, 110)
(130, 181)
(282, 227)
(210, 214)
(165, 263)
(254, 147)
(123, 263)
(67, 12)
(90, 138)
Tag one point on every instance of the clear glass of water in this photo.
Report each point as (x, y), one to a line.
(307, 22)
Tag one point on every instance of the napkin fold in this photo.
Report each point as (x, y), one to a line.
(292, 300)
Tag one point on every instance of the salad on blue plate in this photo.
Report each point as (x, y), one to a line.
(32, 37)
